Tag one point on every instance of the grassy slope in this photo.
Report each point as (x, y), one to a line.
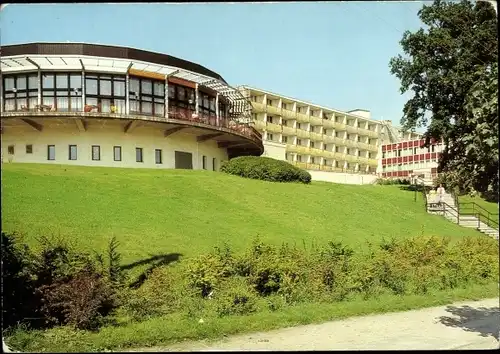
(155, 212)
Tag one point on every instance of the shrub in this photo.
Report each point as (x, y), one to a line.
(235, 298)
(266, 169)
(392, 181)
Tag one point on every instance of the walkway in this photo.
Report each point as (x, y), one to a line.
(466, 325)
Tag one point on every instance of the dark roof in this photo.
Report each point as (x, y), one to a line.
(105, 51)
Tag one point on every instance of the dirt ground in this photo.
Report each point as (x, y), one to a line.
(465, 325)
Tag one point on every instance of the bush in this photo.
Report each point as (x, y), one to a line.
(235, 298)
(266, 169)
(392, 181)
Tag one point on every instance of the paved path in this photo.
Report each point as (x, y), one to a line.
(466, 325)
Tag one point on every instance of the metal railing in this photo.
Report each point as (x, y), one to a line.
(483, 215)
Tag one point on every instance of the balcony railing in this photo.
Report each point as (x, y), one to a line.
(259, 107)
(274, 128)
(302, 117)
(304, 150)
(350, 143)
(367, 132)
(287, 114)
(340, 126)
(289, 130)
(316, 136)
(328, 139)
(259, 124)
(327, 123)
(351, 129)
(317, 167)
(315, 120)
(315, 152)
(328, 154)
(273, 110)
(291, 148)
(302, 134)
(372, 162)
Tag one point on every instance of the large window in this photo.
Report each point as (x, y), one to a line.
(206, 104)
(20, 92)
(181, 96)
(62, 91)
(147, 96)
(222, 110)
(104, 93)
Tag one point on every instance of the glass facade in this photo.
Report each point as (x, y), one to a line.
(20, 92)
(105, 93)
(147, 96)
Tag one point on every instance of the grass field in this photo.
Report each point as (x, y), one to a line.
(155, 212)
(160, 212)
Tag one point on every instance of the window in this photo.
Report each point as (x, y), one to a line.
(269, 102)
(105, 93)
(222, 110)
(204, 162)
(72, 152)
(51, 152)
(336, 164)
(359, 153)
(270, 119)
(181, 97)
(158, 156)
(10, 149)
(399, 153)
(206, 104)
(312, 159)
(383, 154)
(117, 153)
(96, 152)
(20, 92)
(312, 144)
(62, 91)
(432, 148)
(29, 149)
(299, 158)
(336, 149)
(299, 142)
(348, 151)
(214, 164)
(138, 155)
(284, 139)
(283, 105)
(269, 136)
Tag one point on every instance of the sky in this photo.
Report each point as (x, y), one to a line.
(334, 54)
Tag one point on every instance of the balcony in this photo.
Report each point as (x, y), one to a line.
(302, 118)
(273, 128)
(338, 141)
(258, 107)
(372, 162)
(328, 123)
(350, 143)
(315, 120)
(350, 158)
(316, 167)
(302, 134)
(372, 148)
(329, 139)
(316, 136)
(287, 114)
(340, 126)
(339, 156)
(351, 129)
(367, 132)
(288, 130)
(328, 154)
(362, 160)
(315, 152)
(304, 150)
(273, 110)
(291, 148)
(363, 146)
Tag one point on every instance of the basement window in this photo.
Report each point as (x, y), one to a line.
(29, 149)
(214, 164)
(51, 152)
(96, 152)
(117, 153)
(158, 156)
(138, 155)
(10, 149)
(204, 162)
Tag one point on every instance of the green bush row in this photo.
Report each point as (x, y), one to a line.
(267, 278)
(392, 181)
(266, 169)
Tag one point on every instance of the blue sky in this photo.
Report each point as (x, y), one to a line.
(334, 54)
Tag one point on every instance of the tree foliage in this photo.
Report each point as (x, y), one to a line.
(451, 68)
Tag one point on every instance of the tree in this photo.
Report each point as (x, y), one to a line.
(451, 67)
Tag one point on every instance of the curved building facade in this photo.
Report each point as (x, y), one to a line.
(97, 105)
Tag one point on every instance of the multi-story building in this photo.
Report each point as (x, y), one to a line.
(99, 105)
(320, 138)
(410, 157)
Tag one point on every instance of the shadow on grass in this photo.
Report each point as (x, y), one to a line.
(485, 321)
(154, 261)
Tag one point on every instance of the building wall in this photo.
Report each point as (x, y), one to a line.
(107, 134)
(344, 178)
(275, 150)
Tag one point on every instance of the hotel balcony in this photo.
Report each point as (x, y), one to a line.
(328, 154)
(316, 167)
(289, 130)
(315, 120)
(367, 132)
(339, 156)
(273, 110)
(372, 148)
(316, 136)
(350, 143)
(338, 141)
(302, 134)
(291, 148)
(315, 152)
(340, 126)
(302, 118)
(329, 139)
(363, 160)
(351, 129)
(303, 150)
(349, 158)
(363, 146)
(258, 107)
(273, 128)
(328, 123)
(259, 124)
(287, 114)
(372, 162)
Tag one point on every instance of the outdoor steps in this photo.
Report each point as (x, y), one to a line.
(468, 221)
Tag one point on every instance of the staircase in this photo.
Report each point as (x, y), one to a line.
(449, 210)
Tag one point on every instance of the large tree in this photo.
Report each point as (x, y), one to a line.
(451, 68)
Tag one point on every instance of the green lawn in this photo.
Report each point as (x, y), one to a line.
(154, 212)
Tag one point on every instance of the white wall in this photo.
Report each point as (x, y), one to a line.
(344, 178)
(274, 150)
(106, 136)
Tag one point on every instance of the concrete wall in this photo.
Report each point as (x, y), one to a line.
(107, 134)
(344, 178)
(275, 150)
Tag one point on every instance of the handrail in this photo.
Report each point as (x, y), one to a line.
(487, 216)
